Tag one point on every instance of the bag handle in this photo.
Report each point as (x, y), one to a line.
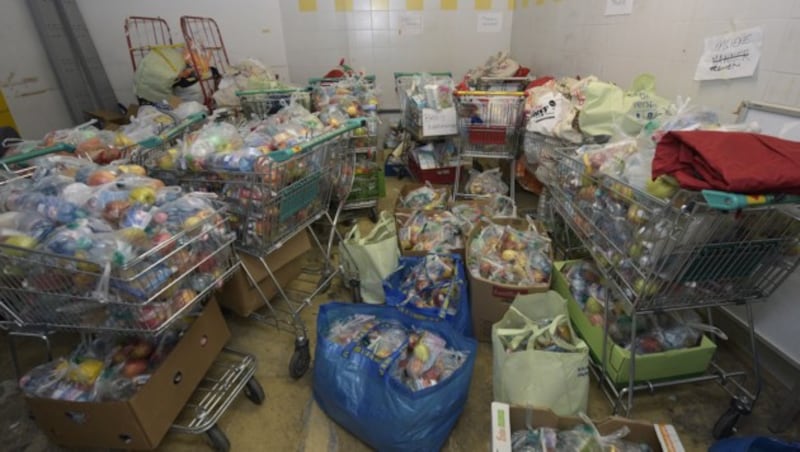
(552, 329)
(531, 331)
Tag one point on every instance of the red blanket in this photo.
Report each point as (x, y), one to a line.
(729, 161)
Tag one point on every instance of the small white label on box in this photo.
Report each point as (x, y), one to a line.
(439, 122)
(501, 427)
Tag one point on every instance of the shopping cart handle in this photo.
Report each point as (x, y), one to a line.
(173, 132)
(252, 92)
(490, 93)
(19, 158)
(732, 201)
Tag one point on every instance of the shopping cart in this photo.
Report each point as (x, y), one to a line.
(204, 42)
(489, 125)
(260, 103)
(683, 253)
(286, 193)
(502, 83)
(412, 115)
(145, 33)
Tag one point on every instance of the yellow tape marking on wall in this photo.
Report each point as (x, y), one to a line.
(483, 4)
(344, 5)
(307, 6)
(5, 114)
(380, 5)
(414, 5)
(450, 5)
(512, 4)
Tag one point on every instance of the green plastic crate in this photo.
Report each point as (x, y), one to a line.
(649, 367)
(365, 186)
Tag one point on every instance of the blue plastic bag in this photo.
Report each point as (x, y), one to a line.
(358, 391)
(754, 444)
(395, 296)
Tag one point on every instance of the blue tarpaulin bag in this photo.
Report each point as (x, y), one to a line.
(754, 444)
(455, 311)
(357, 389)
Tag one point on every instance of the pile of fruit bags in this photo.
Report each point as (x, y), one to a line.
(105, 369)
(249, 74)
(433, 231)
(655, 332)
(427, 91)
(106, 232)
(505, 255)
(426, 197)
(489, 182)
(584, 438)
(424, 361)
(432, 284)
(354, 94)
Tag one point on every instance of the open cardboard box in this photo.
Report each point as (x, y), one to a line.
(649, 366)
(142, 421)
(240, 296)
(489, 300)
(508, 419)
(408, 188)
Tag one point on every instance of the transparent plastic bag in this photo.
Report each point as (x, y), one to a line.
(486, 183)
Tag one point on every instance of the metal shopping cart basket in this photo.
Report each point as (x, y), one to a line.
(695, 250)
(285, 193)
(413, 116)
(260, 103)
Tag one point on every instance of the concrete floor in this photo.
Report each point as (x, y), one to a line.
(290, 421)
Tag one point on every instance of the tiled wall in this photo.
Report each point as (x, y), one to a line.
(369, 34)
(665, 38)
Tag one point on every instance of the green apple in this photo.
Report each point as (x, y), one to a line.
(143, 195)
(20, 241)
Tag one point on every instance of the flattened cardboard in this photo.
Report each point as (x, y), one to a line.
(142, 421)
(522, 417)
(489, 301)
(241, 297)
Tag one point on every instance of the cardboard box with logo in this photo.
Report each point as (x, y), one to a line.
(240, 296)
(509, 419)
(490, 300)
(142, 421)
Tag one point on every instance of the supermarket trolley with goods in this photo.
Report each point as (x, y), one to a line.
(694, 250)
(367, 182)
(278, 196)
(208, 54)
(61, 275)
(489, 126)
(260, 103)
(413, 116)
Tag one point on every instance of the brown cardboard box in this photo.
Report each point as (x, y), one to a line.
(509, 419)
(489, 301)
(407, 188)
(142, 421)
(241, 297)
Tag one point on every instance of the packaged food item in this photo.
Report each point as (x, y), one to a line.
(439, 231)
(426, 197)
(507, 255)
(486, 183)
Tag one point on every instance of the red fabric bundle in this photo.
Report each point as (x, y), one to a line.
(729, 161)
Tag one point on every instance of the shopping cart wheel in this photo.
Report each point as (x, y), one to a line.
(254, 391)
(373, 214)
(726, 424)
(219, 441)
(301, 358)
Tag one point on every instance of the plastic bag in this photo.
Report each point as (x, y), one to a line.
(489, 182)
(371, 396)
(434, 232)
(426, 198)
(434, 287)
(508, 256)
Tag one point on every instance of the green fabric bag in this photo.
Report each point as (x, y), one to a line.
(608, 110)
(157, 72)
(540, 378)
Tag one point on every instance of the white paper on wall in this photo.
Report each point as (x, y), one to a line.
(619, 7)
(411, 23)
(732, 55)
(490, 22)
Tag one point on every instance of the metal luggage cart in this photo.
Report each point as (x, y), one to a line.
(260, 103)
(489, 124)
(285, 193)
(667, 255)
(204, 40)
(145, 33)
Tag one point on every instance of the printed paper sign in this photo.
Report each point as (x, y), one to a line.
(490, 22)
(439, 122)
(619, 7)
(411, 23)
(731, 55)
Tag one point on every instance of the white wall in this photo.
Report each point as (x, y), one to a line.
(249, 28)
(370, 38)
(26, 78)
(665, 38)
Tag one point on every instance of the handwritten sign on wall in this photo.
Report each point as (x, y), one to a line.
(732, 55)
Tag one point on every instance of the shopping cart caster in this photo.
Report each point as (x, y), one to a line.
(726, 424)
(219, 441)
(301, 358)
(253, 391)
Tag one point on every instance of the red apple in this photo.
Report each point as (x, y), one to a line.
(100, 177)
(161, 237)
(141, 350)
(134, 367)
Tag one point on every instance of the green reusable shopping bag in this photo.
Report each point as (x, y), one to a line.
(157, 72)
(372, 257)
(609, 111)
(540, 378)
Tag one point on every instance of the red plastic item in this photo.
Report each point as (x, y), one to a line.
(487, 134)
(436, 176)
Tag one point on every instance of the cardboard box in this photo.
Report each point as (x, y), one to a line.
(142, 421)
(508, 419)
(650, 366)
(400, 220)
(407, 188)
(241, 297)
(489, 300)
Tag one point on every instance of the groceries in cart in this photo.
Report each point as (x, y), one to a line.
(426, 197)
(426, 91)
(399, 383)
(506, 255)
(584, 438)
(433, 231)
(248, 74)
(654, 332)
(488, 182)
(104, 369)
